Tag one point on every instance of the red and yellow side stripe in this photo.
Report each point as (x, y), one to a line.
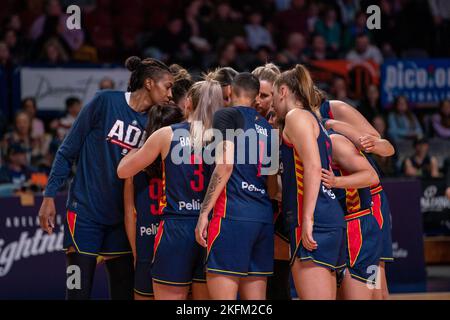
(158, 237)
(354, 240)
(163, 199)
(299, 172)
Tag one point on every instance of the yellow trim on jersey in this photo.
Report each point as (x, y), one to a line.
(268, 273)
(114, 253)
(361, 278)
(72, 234)
(173, 283)
(321, 262)
(226, 271)
(144, 294)
(359, 214)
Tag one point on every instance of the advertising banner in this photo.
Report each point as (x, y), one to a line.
(422, 81)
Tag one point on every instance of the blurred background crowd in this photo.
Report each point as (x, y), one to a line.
(203, 34)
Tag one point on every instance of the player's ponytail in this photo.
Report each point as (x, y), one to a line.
(142, 70)
(300, 83)
(206, 99)
(161, 115)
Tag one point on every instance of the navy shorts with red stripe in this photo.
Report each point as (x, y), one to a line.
(240, 248)
(91, 238)
(330, 252)
(364, 245)
(178, 259)
(382, 213)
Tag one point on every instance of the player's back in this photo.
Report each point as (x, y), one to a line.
(328, 212)
(183, 177)
(245, 196)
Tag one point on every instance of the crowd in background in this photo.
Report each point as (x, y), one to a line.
(205, 34)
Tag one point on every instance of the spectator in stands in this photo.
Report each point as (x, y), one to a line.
(16, 169)
(330, 29)
(440, 10)
(349, 9)
(15, 47)
(173, 40)
(37, 125)
(106, 83)
(318, 49)
(63, 125)
(294, 19)
(295, 50)
(370, 107)
(5, 56)
(339, 91)
(364, 51)
(402, 123)
(357, 27)
(3, 126)
(421, 163)
(227, 57)
(313, 16)
(21, 135)
(441, 120)
(53, 24)
(225, 26)
(446, 171)
(386, 164)
(257, 34)
(53, 53)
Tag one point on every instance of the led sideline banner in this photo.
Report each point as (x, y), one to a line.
(32, 265)
(422, 81)
(52, 86)
(435, 207)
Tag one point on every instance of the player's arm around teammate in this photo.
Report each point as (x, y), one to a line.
(367, 143)
(360, 128)
(364, 238)
(353, 125)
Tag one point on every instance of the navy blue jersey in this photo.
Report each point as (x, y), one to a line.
(184, 184)
(147, 193)
(104, 131)
(327, 212)
(325, 110)
(245, 195)
(352, 200)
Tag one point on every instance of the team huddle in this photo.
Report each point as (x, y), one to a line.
(177, 213)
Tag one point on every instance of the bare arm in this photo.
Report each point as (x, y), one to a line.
(137, 160)
(130, 217)
(219, 179)
(301, 130)
(360, 173)
(364, 142)
(346, 113)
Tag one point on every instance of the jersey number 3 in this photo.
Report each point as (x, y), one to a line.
(198, 185)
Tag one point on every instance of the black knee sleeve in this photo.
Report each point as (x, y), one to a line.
(80, 275)
(121, 277)
(278, 287)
